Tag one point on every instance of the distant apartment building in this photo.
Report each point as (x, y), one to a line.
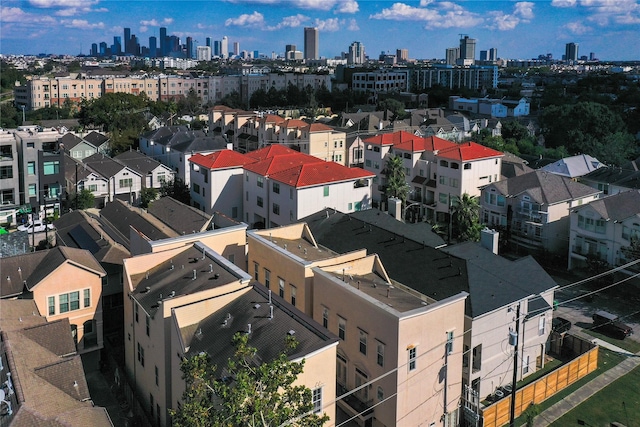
(450, 76)
(356, 54)
(380, 81)
(491, 107)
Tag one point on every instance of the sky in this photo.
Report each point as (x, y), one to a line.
(518, 29)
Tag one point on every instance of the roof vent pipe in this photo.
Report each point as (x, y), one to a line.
(194, 275)
(248, 328)
(210, 268)
(269, 296)
(270, 312)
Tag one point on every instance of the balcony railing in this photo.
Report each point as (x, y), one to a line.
(355, 403)
(587, 251)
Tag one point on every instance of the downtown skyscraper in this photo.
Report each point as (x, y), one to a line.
(311, 43)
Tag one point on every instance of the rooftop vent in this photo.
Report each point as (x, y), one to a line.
(257, 306)
(198, 334)
(291, 332)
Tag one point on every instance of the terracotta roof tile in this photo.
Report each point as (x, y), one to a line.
(270, 151)
(278, 163)
(418, 144)
(318, 127)
(222, 159)
(468, 151)
(310, 174)
(391, 138)
(294, 123)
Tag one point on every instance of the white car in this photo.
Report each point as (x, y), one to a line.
(35, 227)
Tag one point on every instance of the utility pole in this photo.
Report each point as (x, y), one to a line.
(512, 418)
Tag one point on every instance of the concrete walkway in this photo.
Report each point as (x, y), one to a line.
(559, 409)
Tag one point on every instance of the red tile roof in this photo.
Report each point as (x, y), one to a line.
(270, 151)
(318, 127)
(431, 143)
(221, 159)
(272, 118)
(469, 151)
(278, 163)
(318, 173)
(391, 138)
(294, 123)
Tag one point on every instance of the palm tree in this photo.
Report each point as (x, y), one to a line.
(396, 180)
(465, 212)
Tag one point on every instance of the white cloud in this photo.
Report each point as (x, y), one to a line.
(353, 25)
(81, 4)
(81, 24)
(441, 15)
(347, 6)
(563, 3)
(143, 28)
(328, 25)
(524, 10)
(522, 13)
(256, 19)
(578, 28)
(156, 23)
(15, 14)
(289, 22)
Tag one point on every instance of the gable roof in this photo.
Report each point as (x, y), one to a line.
(96, 139)
(70, 140)
(574, 166)
(15, 271)
(223, 159)
(391, 138)
(104, 165)
(279, 163)
(60, 255)
(310, 174)
(617, 207)
(270, 151)
(468, 151)
(120, 217)
(138, 162)
(544, 187)
(318, 127)
(626, 177)
(418, 144)
(293, 124)
(182, 218)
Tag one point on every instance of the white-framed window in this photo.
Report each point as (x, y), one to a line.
(52, 305)
(342, 328)
(412, 353)
(380, 394)
(256, 268)
(380, 353)
(341, 369)
(449, 344)
(325, 317)
(293, 294)
(316, 399)
(363, 342)
(281, 287)
(267, 277)
(541, 325)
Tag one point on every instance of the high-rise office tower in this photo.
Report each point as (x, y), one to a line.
(94, 49)
(224, 47)
(571, 52)
(163, 41)
(103, 48)
(127, 37)
(236, 48)
(311, 43)
(493, 54)
(402, 55)
(356, 53)
(452, 54)
(484, 56)
(217, 48)
(289, 48)
(208, 41)
(116, 48)
(189, 48)
(153, 47)
(203, 53)
(467, 48)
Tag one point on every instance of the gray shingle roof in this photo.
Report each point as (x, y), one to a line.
(103, 165)
(544, 187)
(59, 255)
(574, 166)
(622, 177)
(267, 334)
(617, 207)
(96, 139)
(182, 218)
(137, 161)
(119, 216)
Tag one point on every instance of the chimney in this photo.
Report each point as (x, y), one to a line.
(489, 240)
(395, 208)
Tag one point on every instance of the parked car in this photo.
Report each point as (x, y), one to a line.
(560, 325)
(611, 325)
(35, 227)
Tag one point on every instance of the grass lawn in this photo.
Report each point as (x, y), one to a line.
(629, 345)
(619, 401)
(606, 361)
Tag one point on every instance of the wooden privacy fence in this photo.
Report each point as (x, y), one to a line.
(497, 414)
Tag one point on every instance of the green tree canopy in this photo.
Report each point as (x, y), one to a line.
(465, 213)
(176, 189)
(85, 200)
(396, 180)
(396, 107)
(256, 395)
(114, 111)
(147, 195)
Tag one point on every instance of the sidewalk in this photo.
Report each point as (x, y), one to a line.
(556, 411)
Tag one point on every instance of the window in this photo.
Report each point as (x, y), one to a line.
(380, 394)
(325, 317)
(291, 193)
(151, 405)
(444, 163)
(367, 163)
(326, 191)
(453, 182)
(136, 308)
(465, 357)
(259, 201)
(316, 399)
(477, 358)
(52, 167)
(281, 287)
(442, 180)
(293, 294)
(341, 369)
(69, 302)
(449, 345)
(260, 181)
(140, 354)
(196, 188)
(246, 176)
(541, 325)
(380, 353)
(361, 379)
(86, 294)
(52, 305)
(146, 321)
(267, 277)
(525, 365)
(31, 168)
(32, 190)
(413, 355)
(157, 376)
(467, 166)
(256, 266)
(276, 187)
(363, 342)
(234, 212)
(443, 198)
(126, 183)
(205, 175)
(276, 209)
(342, 328)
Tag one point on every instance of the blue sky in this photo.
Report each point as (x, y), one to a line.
(518, 29)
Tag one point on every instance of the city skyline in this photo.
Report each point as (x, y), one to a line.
(519, 30)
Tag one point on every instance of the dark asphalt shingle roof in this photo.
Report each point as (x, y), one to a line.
(138, 162)
(59, 255)
(96, 139)
(627, 177)
(103, 165)
(617, 207)
(182, 218)
(121, 217)
(267, 335)
(544, 187)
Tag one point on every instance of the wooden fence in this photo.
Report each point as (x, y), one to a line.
(498, 414)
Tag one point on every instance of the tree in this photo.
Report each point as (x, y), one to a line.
(176, 189)
(256, 395)
(85, 200)
(465, 213)
(9, 116)
(147, 195)
(114, 111)
(396, 180)
(190, 104)
(396, 107)
(632, 252)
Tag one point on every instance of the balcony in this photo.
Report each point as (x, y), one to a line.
(353, 405)
(532, 215)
